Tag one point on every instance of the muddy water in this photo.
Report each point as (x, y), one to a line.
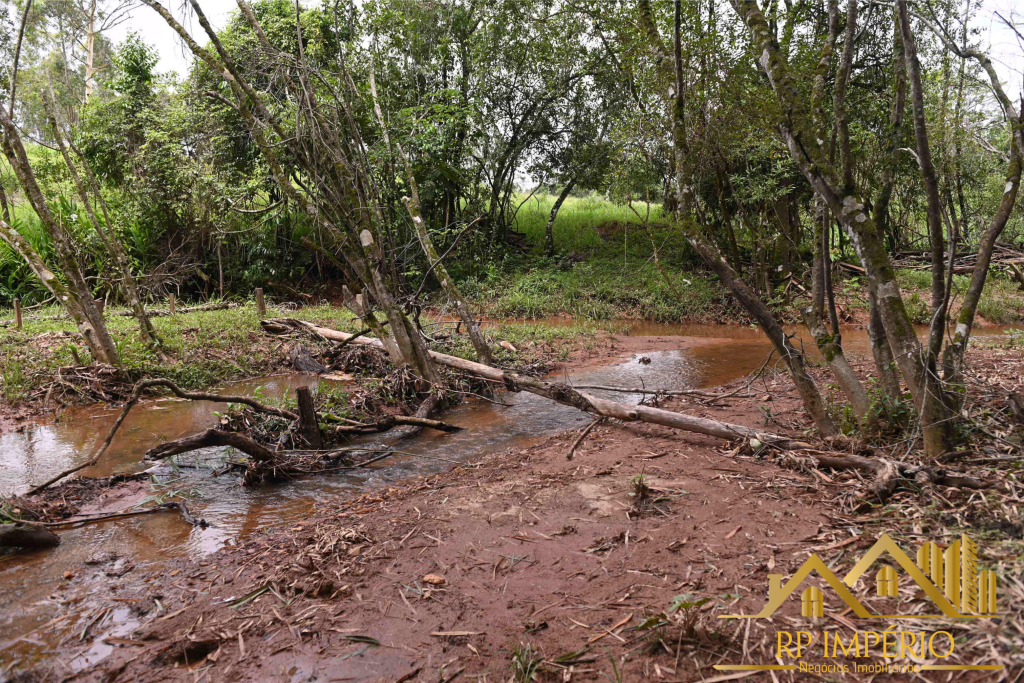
(34, 590)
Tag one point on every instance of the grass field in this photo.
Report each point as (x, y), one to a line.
(603, 268)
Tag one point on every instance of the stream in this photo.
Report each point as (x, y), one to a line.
(33, 587)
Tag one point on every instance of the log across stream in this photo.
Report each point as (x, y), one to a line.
(710, 355)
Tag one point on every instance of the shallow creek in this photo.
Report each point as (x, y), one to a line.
(32, 586)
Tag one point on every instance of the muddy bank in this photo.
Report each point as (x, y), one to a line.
(519, 547)
(354, 551)
(524, 558)
(235, 512)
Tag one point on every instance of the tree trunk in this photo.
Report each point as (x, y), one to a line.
(935, 422)
(309, 427)
(549, 229)
(849, 210)
(76, 297)
(954, 354)
(110, 240)
(90, 51)
(885, 366)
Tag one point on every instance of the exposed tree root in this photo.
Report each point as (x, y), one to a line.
(890, 475)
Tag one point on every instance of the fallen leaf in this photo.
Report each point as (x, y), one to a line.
(733, 532)
(69, 575)
(433, 579)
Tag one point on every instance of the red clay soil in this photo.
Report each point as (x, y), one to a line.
(520, 557)
(459, 571)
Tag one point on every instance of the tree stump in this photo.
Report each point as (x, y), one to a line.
(309, 430)
(261, 307)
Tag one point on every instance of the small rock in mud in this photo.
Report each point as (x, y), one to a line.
(102, 558)
(120, 568)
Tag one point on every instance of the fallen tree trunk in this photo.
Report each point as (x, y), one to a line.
(562, 393)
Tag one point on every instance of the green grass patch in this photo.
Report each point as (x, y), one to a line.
(603, 268)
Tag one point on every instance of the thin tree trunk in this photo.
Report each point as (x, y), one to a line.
(935, 422)
(794, 360)
(412, 204)
(76, 297)
(885, 366)
(90, 51)
(110, 240)
(830, 343)
(887, 373)
(549, 229)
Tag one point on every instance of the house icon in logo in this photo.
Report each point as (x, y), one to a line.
(949, 578)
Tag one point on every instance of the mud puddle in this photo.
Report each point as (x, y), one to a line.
(35, 588)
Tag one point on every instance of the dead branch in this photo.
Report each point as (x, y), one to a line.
(889, 475)
(563, 393)
(163, 507)
(208, 438)
(582, 436)
(390, 421)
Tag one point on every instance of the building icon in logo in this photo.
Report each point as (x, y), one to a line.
(950, 578)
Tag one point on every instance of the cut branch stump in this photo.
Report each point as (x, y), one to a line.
(309, 430)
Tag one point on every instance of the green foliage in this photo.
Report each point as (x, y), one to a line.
(605, 270)
(526, 663)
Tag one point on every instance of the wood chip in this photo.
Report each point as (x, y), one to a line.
(434, 579)
(452, 634)
(733, 532)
